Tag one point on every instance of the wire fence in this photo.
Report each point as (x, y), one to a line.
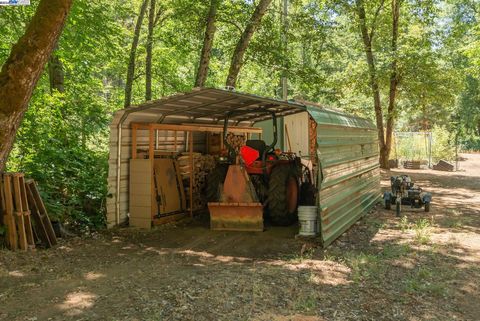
(413, 146)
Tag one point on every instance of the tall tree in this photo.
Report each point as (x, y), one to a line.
(148, 62)
(367, 38)
(394, 81)
(243, 42)
(385, 140)
(23, 68)
(210, 29)
(133, 54)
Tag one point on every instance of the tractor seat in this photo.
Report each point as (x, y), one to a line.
(258, 145)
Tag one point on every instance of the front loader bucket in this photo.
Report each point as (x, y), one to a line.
(239, 208)
(236, 216)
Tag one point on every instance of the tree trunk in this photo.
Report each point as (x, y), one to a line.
(210, 29)
(148, 62)
(239, 53)
(367, 42)
(24, 66)
(56, 74)
(394, 78)
(133, 53)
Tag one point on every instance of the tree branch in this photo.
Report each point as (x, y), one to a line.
(374, 22)
(239, 28)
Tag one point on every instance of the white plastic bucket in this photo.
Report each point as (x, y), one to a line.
(307, 217)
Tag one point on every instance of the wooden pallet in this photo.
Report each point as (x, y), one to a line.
(43, 226)
(19, 201)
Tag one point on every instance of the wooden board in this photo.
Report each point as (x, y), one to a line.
(42, 211)
(19, 217)
(26, 212)
(9, 219)
(40, 230)
(167, 186)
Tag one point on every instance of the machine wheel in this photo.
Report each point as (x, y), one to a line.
(214, 179)
(388, 204)
(398, 208)
(283, 195)
(427, 207)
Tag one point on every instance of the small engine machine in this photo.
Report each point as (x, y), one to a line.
(405, 192)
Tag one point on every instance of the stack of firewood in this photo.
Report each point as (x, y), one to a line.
(23, 213)
(236, 141)
(202, 165)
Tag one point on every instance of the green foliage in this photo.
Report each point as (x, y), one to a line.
(411, 146)
(443, 144)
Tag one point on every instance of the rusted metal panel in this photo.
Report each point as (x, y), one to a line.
(350, 177)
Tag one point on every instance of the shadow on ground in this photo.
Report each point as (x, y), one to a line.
(423, 266)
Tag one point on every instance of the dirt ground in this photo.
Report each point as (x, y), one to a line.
(424, 266)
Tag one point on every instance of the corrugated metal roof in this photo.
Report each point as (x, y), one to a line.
(211, 105)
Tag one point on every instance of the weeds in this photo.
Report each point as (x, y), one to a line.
(426, 280)
(423, 231)
(306, 304)
(404, 224)
(364, 266)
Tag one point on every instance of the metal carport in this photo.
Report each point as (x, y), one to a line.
(347, 149)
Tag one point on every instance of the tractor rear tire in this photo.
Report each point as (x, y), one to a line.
(214, 179)
(282, 196)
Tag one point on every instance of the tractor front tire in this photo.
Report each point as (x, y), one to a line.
(214, 179)
(282, 199)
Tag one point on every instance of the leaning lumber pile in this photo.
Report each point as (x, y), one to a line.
(443, 165)
(23, 213)
(202, 165)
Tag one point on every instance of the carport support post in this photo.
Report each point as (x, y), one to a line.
(192, 175)
(134, 141)
(151, 156)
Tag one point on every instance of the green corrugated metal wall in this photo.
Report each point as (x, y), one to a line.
(348, 154)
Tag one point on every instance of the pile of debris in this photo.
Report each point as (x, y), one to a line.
(443, 165)
(23, 213)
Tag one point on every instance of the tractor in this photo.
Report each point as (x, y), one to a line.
(274, 178)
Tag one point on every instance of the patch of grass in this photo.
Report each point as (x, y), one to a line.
(426, 280)
(298, 258)
(453, 222)
(375, 223)
(393, 251)
(364, 266)
(306, 304)
(422, 229)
